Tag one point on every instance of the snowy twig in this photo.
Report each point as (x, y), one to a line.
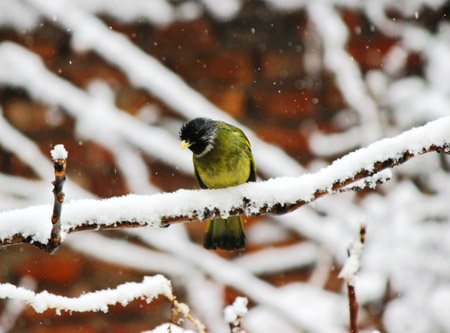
(233, 314)
(348, 273)
(148, 289)
(184, 309)
(14, 308)
(369, 183)
(59, 156)
(275, 196)
(353, 306)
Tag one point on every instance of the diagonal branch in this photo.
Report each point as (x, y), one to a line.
(274, 196)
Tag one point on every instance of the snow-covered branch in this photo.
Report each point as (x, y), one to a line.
(13, 307)
(376, 68)
(274, 196)
(233, 314)
(348, 75)
(149, 289)
(144, 71)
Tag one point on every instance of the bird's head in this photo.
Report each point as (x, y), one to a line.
(198, 135)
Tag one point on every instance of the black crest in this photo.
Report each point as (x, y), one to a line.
(200, 133)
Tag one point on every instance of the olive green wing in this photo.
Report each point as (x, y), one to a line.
(199, 180)
(248, 150)
(252, 177)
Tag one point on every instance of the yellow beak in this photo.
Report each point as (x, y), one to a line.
(185, 144)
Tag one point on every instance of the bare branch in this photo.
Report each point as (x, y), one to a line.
(59, 155)
(353, 306)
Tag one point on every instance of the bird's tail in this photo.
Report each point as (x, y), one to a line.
(225, 234)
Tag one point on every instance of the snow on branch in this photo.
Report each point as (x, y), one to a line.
(13, 308)
(236, 310)
(348, 75)
(167, 327)
(145, 71)
(59, 153)
(148, 289)
(274, 196)
(89, 113)
(348, 273)
(233, 314)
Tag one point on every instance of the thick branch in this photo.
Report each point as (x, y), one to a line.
(160, 210)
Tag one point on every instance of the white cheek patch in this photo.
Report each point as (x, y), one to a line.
(211, 137)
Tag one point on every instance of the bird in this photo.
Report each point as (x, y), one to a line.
(222, 157)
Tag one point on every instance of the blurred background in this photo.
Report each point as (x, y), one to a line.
(308, 81)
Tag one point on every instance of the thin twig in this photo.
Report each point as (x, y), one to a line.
(184, 309)
(362, 233)
(59, 155)
(233, 314)
(235, 327)
(353, 306)
(348, 273)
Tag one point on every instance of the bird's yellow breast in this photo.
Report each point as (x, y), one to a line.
(227, 164)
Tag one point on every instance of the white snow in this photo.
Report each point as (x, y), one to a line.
(236, 310)
(59, 152)
(146, 72)
(267, 261)
(117, 251)
(148, 210)
(440, 302)
(205, 297)
(290, 304)
(223, 10)
(353, 263)
(265, 232)
(263, 320)
(158, 12)
(17, 14)
(409, 229)
(348, 76)
(164, 328)
(148, 289)
(13, 308)
(28, 152)
(97, 119)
